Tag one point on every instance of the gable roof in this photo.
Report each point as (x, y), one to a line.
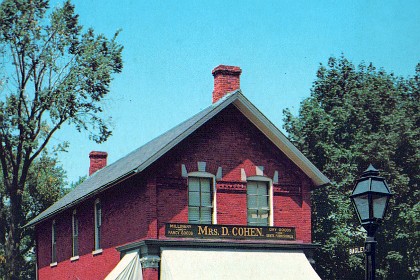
(141, 158)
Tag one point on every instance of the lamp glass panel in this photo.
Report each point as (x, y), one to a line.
(362, 186)
(379, 186)
(379, 205)
(362, 205)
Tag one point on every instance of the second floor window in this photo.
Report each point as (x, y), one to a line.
(75, 234)
(200, 201)
(258, 203)
(98, 224)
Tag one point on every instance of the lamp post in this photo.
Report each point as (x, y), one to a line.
(370, 198)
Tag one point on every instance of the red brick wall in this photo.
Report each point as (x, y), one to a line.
(232, 142)
(140, 206)
(125, 218)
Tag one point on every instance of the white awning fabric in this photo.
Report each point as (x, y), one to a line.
(129, 268)
(212, 264)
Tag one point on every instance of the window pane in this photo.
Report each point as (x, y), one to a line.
(98, 214)
(263, 218)
(261, 222)
(194, 199)
(251, 188)
(252, 202)
(193, 184)
(53, 254)
(251, 220)
(205, 185)
(263, 214)
(75, 225)
(253, 213)
(98, 239)
(206, 215)
(75, 247)
(263, 202)
(262, 189)
(193, 214)
(206, 199)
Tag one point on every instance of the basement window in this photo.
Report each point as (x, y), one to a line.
(201, 198)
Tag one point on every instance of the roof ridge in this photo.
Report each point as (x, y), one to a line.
(131, 162)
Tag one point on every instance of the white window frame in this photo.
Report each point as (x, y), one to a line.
(200, 174)
(75, 238)
(269, 182)
(98, 228)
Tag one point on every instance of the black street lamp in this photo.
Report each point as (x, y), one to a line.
(370, 198)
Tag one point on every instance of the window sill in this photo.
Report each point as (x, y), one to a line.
(54, 264)
(75, 258)
(97, 252)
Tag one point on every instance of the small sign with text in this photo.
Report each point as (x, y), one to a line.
(356, 250)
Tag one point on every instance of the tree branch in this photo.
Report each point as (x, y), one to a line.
(47, 139)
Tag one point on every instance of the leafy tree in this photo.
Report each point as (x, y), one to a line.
(52, 74)
(353, 117)
(44, 185)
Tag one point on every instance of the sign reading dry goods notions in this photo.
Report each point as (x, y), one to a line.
(229, 232)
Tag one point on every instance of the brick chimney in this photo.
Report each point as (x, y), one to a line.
(97, 161)
(226, 79)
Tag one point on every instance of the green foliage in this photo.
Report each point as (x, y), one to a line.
(353, 117)
(45, 184)
(51, 73)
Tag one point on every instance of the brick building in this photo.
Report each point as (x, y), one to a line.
(223, 195)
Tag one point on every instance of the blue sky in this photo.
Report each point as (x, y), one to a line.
(170, 48)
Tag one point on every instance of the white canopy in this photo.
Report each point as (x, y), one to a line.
(213, 264)
(129, 268)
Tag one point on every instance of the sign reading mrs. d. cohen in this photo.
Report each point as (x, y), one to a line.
(229, 231)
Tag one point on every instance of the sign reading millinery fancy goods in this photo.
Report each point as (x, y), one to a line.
(229, 232)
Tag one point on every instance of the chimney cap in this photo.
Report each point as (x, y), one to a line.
(98, 154)
(226, 69)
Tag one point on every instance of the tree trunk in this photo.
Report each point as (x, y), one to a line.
(12, 252)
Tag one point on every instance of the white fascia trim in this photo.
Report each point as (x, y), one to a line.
(280, 140)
